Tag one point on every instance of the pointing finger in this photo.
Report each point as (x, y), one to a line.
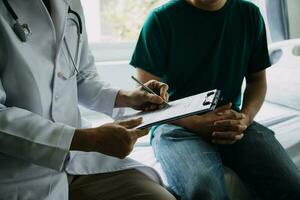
(137, 133)
(131, 123)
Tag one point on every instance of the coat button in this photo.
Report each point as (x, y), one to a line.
(56, 97)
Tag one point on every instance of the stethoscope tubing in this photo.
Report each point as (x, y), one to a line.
(79, 33)
(11, 10)
(16, 18)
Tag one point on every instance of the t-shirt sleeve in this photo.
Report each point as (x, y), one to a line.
(259, 59)
(151, 50)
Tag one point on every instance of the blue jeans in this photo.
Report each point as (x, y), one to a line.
(194, 166)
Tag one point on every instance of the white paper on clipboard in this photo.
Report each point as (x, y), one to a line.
(178, 109)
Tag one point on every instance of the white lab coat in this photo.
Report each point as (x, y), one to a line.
(39, 107)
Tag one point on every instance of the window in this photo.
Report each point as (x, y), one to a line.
(114, 25)
(115, 21)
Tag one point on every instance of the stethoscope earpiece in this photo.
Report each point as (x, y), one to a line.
(22, 31)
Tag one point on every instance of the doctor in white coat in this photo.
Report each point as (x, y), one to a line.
(46, 70)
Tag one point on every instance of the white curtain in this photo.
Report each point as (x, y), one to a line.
(277, 12)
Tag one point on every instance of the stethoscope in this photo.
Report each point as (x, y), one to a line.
(23, 32)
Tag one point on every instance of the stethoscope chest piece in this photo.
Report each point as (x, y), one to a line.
(22, 31)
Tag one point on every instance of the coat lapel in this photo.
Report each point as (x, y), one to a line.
(59, 12)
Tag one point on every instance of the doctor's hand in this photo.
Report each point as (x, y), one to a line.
(114, 139)
(140, 99)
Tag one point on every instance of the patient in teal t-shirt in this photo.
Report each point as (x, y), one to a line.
(199, 45)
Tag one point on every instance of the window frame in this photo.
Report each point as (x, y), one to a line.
(118, 51)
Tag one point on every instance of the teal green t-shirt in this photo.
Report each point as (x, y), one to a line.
(194, 50)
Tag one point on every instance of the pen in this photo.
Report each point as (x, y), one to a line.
(147, 88)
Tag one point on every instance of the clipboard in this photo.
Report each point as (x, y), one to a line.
(181, 108)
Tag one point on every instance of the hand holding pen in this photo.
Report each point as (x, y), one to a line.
(152, 86)
(144, 98)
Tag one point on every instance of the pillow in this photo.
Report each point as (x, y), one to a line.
(284, 81)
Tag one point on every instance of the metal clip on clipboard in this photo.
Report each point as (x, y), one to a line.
(212, 99)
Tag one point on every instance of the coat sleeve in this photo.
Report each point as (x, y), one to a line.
(92, 92)
(32, 138)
